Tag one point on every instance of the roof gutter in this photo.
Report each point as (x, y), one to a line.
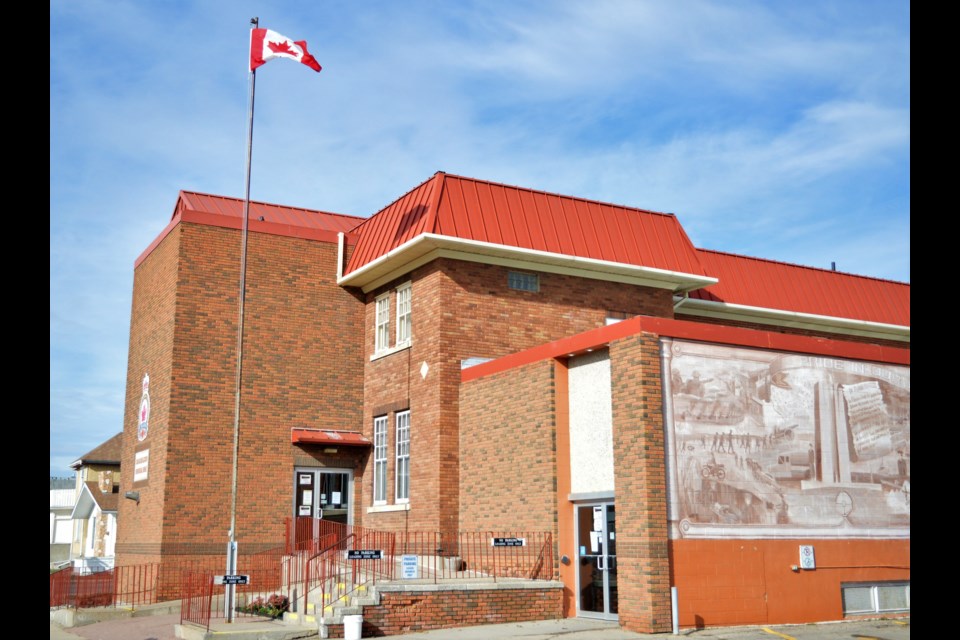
(796, 319)
(429, 246)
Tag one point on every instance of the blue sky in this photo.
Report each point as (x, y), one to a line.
(771, 129)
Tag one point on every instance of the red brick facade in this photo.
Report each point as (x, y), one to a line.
(640, 480)
(490, 452)
(301, 367)
(508, 447)
(466, 310)
(413, 611)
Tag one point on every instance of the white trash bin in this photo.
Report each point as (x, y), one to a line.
(352, 627)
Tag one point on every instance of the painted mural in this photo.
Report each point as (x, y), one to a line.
(772, 444)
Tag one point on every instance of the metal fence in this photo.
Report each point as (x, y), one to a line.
(462, 555)
(320, 561)
(129, 586)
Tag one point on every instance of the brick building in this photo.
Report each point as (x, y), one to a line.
(478, 356)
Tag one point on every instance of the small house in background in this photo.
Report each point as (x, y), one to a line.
(94, 515)
(63, 496)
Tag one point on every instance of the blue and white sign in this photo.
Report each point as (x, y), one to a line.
(410, 567)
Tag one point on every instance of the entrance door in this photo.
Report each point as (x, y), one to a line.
(597, 561)
(324, 494)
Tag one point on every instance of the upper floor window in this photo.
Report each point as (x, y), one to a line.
(404, 294)
(382, 340)
(523, 281)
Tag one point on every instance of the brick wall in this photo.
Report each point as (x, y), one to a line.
(463, 310)
(640, 480)
(413, 611)
(301, 367)
(508, 449)
(152, 323)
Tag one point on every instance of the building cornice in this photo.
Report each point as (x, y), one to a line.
(427, 247)
(728, 312)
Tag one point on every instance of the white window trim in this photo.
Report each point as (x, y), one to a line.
(381, 344)
(380, 422)
(385, 508)
(390, 351)
(401, 417)
(404, 320)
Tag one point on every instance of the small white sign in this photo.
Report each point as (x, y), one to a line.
(598, 518)
(411, 570)
(141, 464)
(806, 557)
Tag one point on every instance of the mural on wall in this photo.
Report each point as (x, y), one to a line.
(774, 444)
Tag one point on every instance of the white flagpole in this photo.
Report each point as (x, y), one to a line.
(232, 544)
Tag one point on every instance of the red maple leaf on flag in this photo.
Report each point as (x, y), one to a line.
(282, 47)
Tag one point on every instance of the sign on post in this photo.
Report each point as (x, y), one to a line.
(231, 579)
(365, 554)
(509, 542)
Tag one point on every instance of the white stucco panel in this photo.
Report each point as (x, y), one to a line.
(591, 423)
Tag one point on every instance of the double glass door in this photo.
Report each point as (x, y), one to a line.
(324, 494)
(597, 561)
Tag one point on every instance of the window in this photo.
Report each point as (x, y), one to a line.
(383, 323)
(403, 314)
(523, 281)
(884, 597)
(403, 456)
(380, 460)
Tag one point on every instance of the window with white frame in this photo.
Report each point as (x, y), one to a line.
(382, 340)
(403, 456)
(403, 314)
(882, 597)
(380, 460)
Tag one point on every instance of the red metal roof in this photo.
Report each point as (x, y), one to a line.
(776, 285)
(480, 211)
(290, 216)
(329, 437)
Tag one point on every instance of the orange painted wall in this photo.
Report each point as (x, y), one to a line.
(734, 582)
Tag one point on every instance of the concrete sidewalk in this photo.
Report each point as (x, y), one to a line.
(587, 629)
(163, 627)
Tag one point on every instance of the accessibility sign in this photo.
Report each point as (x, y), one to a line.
(231, 579)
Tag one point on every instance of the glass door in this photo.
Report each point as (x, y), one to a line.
(597, 561)
(323, 494)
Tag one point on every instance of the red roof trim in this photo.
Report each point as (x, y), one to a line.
(272, 228)
(600, 337)
(329, 437)
(253, 226)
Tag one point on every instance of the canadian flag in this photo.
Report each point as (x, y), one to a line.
(266, 45)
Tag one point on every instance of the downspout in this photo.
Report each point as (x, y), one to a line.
(340, 252)
(683, 298)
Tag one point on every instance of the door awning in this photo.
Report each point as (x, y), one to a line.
(329, 437)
